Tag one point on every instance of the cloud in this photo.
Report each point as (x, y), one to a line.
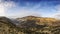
(35, 10)
(4, 6)
(45, 9)
(57, 14)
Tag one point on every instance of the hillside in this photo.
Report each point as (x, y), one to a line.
(7, 27)
(39, 25)
(29, 25)
(41, 20)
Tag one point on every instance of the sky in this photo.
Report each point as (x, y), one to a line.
(21, 8)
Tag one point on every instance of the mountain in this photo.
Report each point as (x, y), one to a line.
(29, 25)
(40, 20)
(39, 25)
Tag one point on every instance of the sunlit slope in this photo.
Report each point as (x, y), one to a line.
(41, 20)
(39, 25)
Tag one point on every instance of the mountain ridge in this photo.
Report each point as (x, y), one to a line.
(38, 19)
